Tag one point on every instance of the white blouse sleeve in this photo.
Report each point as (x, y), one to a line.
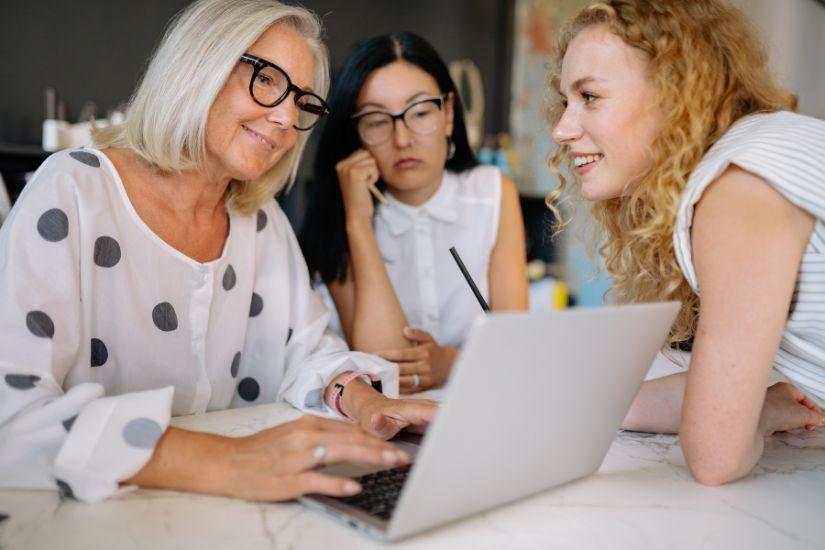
(314, 354)
(75, 440)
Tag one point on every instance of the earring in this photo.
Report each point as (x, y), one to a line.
(450, 148)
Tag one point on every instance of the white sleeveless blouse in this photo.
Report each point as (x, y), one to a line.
(415, 242)
(788, 151)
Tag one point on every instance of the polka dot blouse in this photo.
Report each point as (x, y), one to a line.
(106, 331)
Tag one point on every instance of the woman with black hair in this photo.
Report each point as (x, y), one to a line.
(397, 126)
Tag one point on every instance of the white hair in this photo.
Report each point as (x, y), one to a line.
(166, 120)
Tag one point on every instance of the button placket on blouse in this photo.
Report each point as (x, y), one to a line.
(202, 294)
(426, 271)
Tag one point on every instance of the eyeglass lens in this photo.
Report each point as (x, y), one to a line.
(420, 118)
(271, 86)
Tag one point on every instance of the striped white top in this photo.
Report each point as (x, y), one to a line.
(788, 151)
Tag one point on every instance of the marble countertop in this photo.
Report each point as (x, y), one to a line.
(641, 497)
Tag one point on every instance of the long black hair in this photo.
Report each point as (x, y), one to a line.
(323, 237)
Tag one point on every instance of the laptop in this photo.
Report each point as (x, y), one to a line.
(534, 401)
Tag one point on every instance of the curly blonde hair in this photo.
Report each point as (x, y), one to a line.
(709, 69)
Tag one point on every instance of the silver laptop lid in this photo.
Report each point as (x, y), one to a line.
(534, 400)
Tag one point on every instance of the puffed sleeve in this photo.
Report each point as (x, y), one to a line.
(314, 354)
(54, 434)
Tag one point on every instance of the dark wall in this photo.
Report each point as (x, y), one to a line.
(97, 49)
(89, 49)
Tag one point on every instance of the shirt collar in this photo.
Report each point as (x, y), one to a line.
(441, 207)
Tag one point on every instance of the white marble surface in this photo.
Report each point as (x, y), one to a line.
(642, 497)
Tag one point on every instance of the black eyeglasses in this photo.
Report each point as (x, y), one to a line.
(270, 85)
(376, 127)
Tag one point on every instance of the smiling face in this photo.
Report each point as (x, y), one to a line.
(243, 139)
(612, 113)
(411, 164)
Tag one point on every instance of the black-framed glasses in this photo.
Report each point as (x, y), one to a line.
(269, 85)
(421, 117)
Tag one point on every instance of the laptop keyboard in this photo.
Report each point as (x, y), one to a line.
(380, 492)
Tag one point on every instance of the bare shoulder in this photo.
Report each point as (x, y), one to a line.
(509, 193)
(508, 186)
(743, 203)
(747, 239)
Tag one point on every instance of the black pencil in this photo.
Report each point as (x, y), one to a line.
(469, 279)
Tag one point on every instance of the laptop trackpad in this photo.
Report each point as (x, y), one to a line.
(408, 442)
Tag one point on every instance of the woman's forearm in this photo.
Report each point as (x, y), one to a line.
(173, 461)
(377, 318)
(657, 407)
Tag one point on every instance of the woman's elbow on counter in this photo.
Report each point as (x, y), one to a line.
(717, 462)
(712, 475)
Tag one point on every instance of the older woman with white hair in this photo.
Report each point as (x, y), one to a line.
(156, 276)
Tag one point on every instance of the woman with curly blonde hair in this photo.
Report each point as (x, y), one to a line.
(702, 177)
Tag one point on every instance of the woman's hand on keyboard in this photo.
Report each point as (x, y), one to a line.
(280, 463)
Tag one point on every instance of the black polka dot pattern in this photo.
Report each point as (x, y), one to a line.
(229, 278)
(142, 433)
(315, 399)
(64, 489)
(107, 252)
(257, 305)
(100, 354)
(22, 381)
(249, 389)
(288, 335)
(69, 422)
(165, 317)
(236, 364)
(262, 219)
(53, 225)
(40, 324)
(89, 159)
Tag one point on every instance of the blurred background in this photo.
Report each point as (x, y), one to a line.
(91, 53)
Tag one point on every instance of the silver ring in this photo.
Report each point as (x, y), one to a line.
(319, 454)
(416, 380)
